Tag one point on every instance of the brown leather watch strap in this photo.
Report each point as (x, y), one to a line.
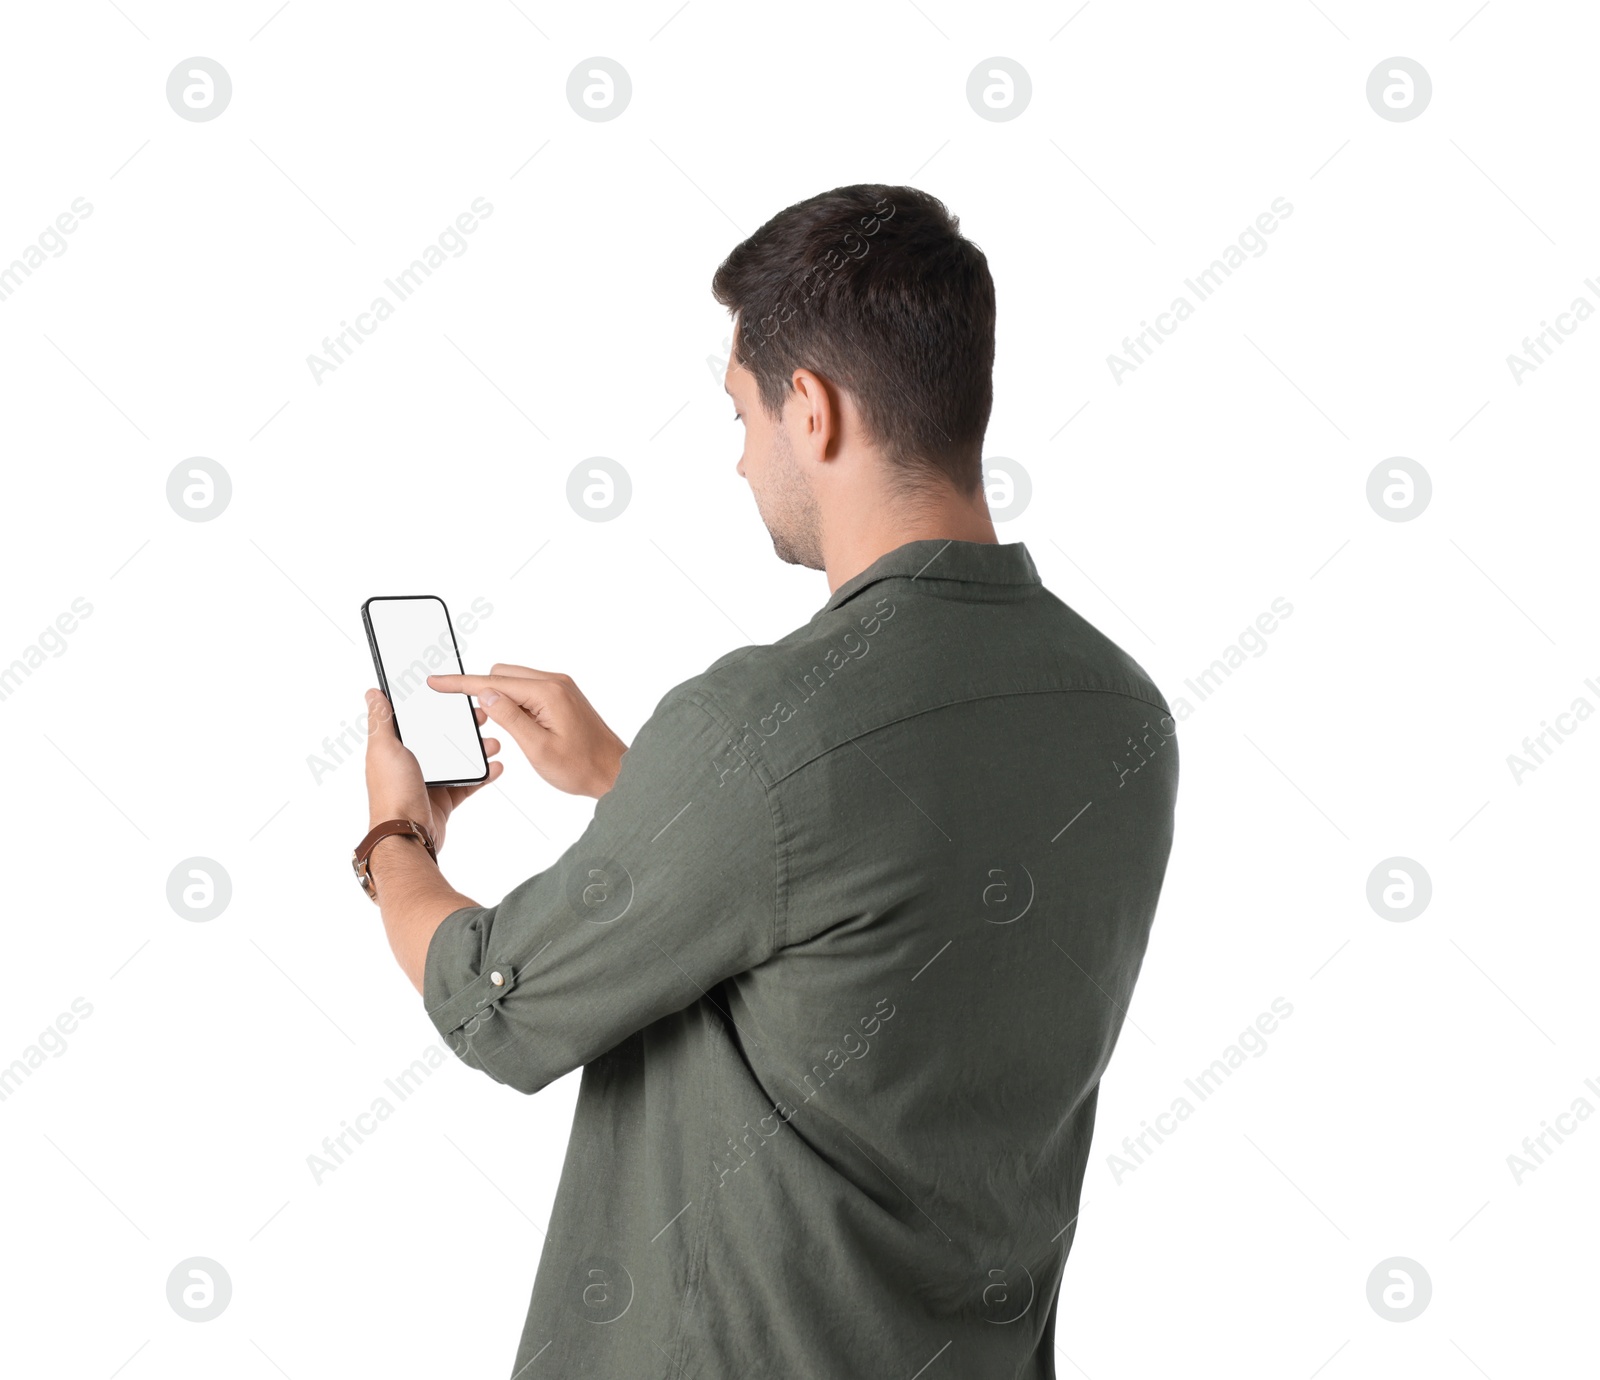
(363, 854)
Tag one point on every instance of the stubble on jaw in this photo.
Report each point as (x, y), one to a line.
(792, 517)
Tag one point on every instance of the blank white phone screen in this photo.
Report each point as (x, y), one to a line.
(414, 642)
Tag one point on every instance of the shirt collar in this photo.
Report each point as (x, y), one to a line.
(970, 562)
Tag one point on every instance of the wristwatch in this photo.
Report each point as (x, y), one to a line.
(361, 858)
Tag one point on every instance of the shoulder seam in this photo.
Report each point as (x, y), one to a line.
(1161, 708)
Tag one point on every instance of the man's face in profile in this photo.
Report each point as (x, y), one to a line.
(768, 463)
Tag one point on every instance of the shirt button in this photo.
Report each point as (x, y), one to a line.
(498, 979)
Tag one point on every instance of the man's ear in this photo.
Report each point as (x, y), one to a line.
(817, 414)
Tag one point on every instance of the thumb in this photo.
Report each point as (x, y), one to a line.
(380, 717)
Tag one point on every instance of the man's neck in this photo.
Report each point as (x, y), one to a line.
(852, 544)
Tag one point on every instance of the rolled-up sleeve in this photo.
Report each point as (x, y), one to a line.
(674, 886)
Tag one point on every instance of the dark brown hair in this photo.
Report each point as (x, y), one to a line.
(875, 289)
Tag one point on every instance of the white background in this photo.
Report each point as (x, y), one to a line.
(1170, 509)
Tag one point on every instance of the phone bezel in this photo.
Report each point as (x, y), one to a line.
(383, 680)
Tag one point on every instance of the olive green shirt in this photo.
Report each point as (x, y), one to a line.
(843, 955)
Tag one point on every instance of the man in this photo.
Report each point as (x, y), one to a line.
(845, 950)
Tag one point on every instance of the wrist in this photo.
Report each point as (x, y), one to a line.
(372, 855)
(607, 777)
(395, 855)
(422, 816)
(390, 844)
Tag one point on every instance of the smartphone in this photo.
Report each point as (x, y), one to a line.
(411, 639)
